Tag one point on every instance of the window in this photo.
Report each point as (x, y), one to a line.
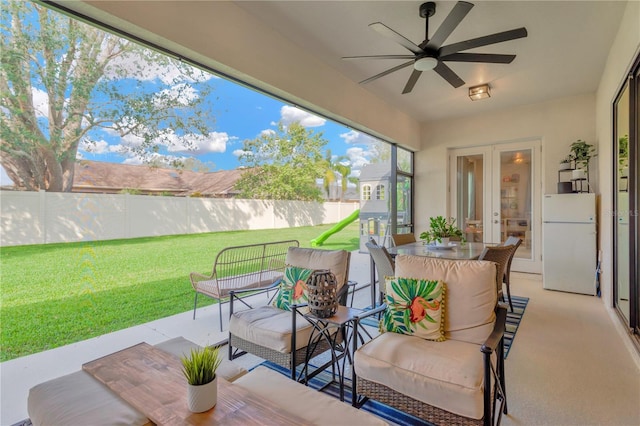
(366, 192)
(380, 192)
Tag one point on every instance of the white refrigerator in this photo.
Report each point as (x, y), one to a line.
(569, 243)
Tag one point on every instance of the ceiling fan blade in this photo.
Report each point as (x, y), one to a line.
(448, 74)
(387, 32)
(483, 41)
(450, 23)
(479, 57)
(389, 71)
(380, 57)
(413, 79)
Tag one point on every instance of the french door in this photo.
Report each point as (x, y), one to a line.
(495, 193)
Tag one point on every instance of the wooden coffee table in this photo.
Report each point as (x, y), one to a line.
(151, 381)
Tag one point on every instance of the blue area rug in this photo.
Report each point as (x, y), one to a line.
(513, 321)
(390, 414)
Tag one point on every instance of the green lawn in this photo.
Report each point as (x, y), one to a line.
(56, 294)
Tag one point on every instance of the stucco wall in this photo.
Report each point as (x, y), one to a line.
(556, 123)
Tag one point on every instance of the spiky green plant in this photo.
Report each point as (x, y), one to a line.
(200, 366)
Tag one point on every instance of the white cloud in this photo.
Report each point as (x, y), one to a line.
(133, 66)
(355, 137)
(289, 114)
(358, 157)
(95, 147)
(240, 152)
(198, 144)
(40, 100)
(182, 93)
(267, 132)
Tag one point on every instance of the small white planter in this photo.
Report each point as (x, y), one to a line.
(203, 397)
(565, 166)
(578, 174)
(444, 242)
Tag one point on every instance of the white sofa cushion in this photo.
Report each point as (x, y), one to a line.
(269, 327)
(471, 295)
(337, 261)
(447, 375)
(314, 406)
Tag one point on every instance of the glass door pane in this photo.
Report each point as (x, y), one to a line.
(470, 196)
(516, 201)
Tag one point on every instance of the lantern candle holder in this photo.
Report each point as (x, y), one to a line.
(323, 291)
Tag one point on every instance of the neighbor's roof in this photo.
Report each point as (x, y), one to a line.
(97, 176)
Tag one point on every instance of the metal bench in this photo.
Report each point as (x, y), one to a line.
(241, 268)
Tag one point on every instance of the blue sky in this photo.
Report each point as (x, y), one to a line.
(239, 114)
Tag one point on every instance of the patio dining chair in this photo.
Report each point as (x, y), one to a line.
(514, 242)
(400, 239)
(500, 255)
(384, 265)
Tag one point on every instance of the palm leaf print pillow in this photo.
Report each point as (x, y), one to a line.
(293, 287)
(414, 307)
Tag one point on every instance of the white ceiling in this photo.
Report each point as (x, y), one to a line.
(563, 55)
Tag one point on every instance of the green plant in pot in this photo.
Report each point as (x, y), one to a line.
(582, 153)
(440, 230)
(199, 368)
(565, 163)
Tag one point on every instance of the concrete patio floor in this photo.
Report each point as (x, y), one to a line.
(569, 364)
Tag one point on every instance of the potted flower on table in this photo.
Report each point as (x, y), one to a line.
(441, 230)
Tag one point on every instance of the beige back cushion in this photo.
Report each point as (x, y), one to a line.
(470, 294)
(337, 261)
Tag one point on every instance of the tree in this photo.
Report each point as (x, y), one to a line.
(283, 164)
(343, 167)
(64, 83)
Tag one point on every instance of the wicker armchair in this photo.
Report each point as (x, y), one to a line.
(455, 382)
(281, 336)
(514, 242)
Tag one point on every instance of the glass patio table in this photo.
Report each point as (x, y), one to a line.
(455, 251)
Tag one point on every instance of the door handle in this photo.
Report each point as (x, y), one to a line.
(496, 221)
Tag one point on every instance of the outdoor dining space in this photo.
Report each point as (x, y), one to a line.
(260, 384)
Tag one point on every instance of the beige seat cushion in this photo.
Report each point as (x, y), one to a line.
(447, 375)
(269, 327)
(337, 261)
(295, 398)
(79, 399)
(470, 298)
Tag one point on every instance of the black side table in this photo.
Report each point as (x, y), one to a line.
(334, 331)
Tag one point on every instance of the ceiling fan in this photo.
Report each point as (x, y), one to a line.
(431, 55)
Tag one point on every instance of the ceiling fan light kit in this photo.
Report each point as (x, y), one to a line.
(432, 55)
(479, 92)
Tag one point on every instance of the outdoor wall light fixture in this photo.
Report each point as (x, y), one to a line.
(479, 92)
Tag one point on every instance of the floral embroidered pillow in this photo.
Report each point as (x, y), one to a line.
(414, 307)
(293, 287)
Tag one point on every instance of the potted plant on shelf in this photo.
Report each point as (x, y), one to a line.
(565, 163)
(199, 368)
(582, 153)
(441, 230)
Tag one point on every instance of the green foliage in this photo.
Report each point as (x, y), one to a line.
(283, 165)
(581, 153)
(56, 294)
(623, 152)
(81, 69)
(130, 191)
(439, 228)
(199, 368)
